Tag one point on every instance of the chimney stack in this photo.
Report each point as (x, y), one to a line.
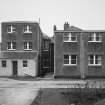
(66, 26)
(54, 28)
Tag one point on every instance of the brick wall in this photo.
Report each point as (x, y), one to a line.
(82, 50)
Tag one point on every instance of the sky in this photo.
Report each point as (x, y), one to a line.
(85, 14)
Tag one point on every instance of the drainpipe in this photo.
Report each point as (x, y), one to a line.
(82, 56)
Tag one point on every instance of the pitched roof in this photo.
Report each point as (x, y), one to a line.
(45, 36)
(20, 22)
(73, 28)
(18, 55)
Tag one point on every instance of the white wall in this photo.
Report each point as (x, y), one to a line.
(6, 71)
(30, 70)
(22, 71)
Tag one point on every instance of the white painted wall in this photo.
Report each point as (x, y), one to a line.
(22, 71)
(30, 70)
(6, 71)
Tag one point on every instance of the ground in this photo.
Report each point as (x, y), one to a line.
(46, 92)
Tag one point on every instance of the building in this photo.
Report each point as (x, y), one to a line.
(47, 55)
(21, 48)
(79, 53)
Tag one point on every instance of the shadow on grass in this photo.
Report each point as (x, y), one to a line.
(37, 100)
(67, 97)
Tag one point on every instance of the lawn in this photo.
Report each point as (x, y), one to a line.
(68, 97)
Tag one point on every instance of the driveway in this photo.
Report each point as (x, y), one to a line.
(14, 92)
(17, 96)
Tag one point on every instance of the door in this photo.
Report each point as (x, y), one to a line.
(15, 68)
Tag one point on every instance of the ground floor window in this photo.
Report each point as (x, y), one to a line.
(3, 63)
(46, 63)
(25, 63)
(70, 59)
(94, 60)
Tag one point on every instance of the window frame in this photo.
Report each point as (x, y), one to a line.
(70, 60)
(25, 63)
(45, 63)
(28, 45)
(94, 36)
(4, 64)
(27, 29)
(99, 59)
(12, 45)
(12, 29)
(69, 36)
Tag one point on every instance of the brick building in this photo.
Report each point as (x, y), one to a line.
(79, 53)
(21, 48)
(47, 55)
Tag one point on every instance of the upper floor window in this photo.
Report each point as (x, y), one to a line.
(27, 29)
(94, 60)
(11, 28)
(27, 45)
(70, 59)
(46, 45)
(71, 37)
(95, 37)
(11, 45)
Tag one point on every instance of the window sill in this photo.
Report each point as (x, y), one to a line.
(27, 32)
(11, 49)
(70, 64)
(95, 41)
(94, 65)
(27, 49)
(10, 32)
(70, 41)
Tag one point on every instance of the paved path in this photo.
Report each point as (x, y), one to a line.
(10, 83)
(17, 96)
(14, 92)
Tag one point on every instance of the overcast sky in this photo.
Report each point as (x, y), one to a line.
(86, 14)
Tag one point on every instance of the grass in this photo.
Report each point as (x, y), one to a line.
(67, 97)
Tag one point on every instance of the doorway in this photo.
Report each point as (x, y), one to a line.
(15, 67)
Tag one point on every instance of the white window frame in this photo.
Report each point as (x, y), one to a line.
(27, 44)
(69, 38)
(27, 27)
(94, 60)
(70, 61)
(94, 37)
(25, 63)
(12, 29)
(11, 44)
(4, 63)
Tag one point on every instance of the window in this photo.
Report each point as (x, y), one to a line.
(4, 63)
(45, 63)
(71, 37)
(11, 45)
(94, 37)
(27, 45)
(25, 63)
(94, 60)
(70, 59)
(46, 45)
(27, 29)
(11, 29)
